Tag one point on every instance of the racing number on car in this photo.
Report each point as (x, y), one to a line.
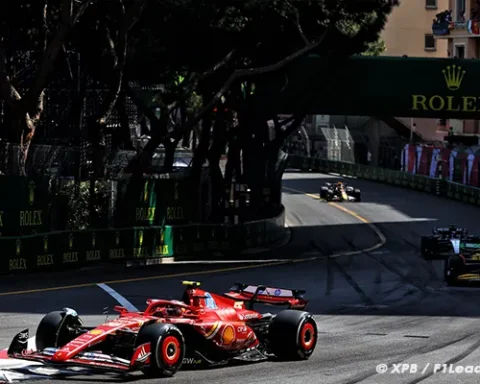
(238, 305)
(242, 329)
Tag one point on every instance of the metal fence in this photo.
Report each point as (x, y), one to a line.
(341, 144)
(325, 143)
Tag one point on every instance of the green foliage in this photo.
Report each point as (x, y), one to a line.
(375, 49)
(75, 203)
(260, 31)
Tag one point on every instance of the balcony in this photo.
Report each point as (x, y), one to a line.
(448, 30)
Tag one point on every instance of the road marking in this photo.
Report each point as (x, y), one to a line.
(374, 228)
(119, 298)
(223, 270)
(147, 278)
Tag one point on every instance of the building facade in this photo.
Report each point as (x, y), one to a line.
(408, 30)
(459, 29)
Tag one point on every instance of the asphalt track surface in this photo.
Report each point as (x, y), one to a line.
(384, 305)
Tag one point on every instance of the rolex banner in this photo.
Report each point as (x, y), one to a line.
(142, 243)
(63, 250)
(24, 205)
(162, 241)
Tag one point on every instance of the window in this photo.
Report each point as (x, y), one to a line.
(432, 4)
(460, 51)
(430, 43)
(460, 6)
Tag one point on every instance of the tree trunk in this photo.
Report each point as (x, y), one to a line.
(214, 155)
(233, 168)
(169, 159)
(122, 138)
(199, 158)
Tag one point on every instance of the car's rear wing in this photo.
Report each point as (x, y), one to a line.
(250, 294)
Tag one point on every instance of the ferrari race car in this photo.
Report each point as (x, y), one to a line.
(444, 242)
(201, 329)
(464, 267)
(340, 192)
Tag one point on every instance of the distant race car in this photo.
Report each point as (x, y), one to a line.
(465, 266)
(340, 192)
(443, 242)
(203, 329)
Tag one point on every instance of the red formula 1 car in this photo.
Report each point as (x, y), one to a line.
(203, 329)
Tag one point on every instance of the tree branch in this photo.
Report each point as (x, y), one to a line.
(134, 14)
(242, 73)
(53, 49)
(218, 65)
(7, 91)
(299, 25)
(162, 137)
(294, 123)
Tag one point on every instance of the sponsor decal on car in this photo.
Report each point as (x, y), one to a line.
(96, 332)
(469, 276)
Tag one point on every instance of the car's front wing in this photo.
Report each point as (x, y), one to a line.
(90, 360)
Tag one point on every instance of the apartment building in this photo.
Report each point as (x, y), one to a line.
(409, 29)
(459, 29)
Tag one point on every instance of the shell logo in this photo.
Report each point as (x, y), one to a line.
(228, 335)
(96, 332)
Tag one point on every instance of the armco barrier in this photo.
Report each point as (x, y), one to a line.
(439, 187)
(60, 250)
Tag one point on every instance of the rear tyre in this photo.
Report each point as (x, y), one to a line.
(293, 335)
(167, 347)
(358, 196)
(53, 330)
(452, 268)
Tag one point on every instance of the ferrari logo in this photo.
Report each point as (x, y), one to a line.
(145, 191)
(94, 238)
(70, 241)
(117, 238)
(18, 246)
(140, 238)
(31, 192)
(45, 244)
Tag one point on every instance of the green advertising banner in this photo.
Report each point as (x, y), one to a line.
(142, 243)
(422, 87)
(162, 241)
(24, 203)
(176, 201)
(16, 256)
(120, 244)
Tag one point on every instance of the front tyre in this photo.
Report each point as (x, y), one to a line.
(293, 335)
(167, 348)
(55, 330)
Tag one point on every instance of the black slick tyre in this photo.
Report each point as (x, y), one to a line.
(53, 332)
(167, 348)
(293, 335)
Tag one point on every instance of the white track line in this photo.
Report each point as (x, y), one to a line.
(119, 298)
